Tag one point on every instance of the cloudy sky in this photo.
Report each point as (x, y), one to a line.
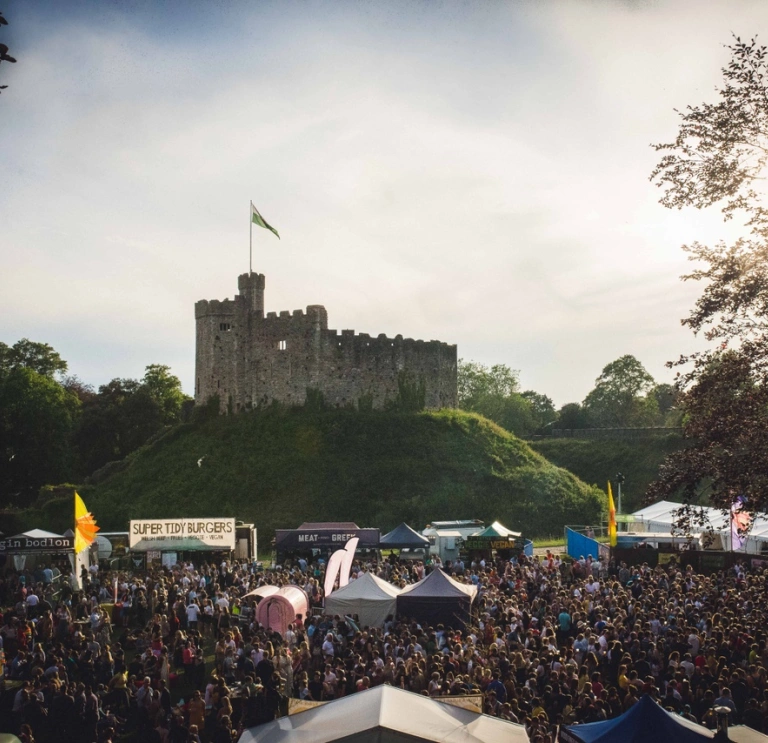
(475, 172)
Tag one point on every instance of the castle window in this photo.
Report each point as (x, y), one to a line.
(282, 345)
(225, 326)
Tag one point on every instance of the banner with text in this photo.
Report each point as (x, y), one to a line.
(25, 543)
(287, 540)
(177, 535)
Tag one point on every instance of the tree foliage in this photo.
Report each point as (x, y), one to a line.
(125, 414)
(165, 389)
(494, 393)
(37, 419)
(720, 150)
(55, 428)
(572, 415)
(4, 56)
(27, 354)
(620, 396)
(719, 159)
(476, 381)
(543, 407)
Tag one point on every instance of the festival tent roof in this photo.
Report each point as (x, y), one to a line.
(644, 722)
(497, 530)
(371, 598)
(440, 584)
(386, 714)
(403, 537)
(744, 734)
(647, 722)
(662, 516)
(38, 534)
(437, 599)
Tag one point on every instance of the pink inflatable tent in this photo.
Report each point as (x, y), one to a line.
(279, 609)
(262, 592)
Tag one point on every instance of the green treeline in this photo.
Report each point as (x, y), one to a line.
(54, 428)
(625, 396)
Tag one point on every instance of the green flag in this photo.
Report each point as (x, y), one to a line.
(256, 218)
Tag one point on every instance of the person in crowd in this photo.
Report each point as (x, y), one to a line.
(550, 641)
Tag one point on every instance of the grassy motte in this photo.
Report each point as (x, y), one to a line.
(278, 467)
(596, 461)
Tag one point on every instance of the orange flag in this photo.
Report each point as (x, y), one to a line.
(85, 526)
(611, 517)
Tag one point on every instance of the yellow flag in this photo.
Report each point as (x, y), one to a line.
(611, 517)
(85, 526)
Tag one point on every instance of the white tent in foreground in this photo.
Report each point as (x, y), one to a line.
(371, 598)
(385, 714)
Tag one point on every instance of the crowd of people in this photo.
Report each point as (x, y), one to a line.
(551, 642)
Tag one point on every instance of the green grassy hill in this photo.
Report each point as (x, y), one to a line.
(279, 467)
(595, 461)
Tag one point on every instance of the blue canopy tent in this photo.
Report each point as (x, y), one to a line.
(645, 722)
(403, 537)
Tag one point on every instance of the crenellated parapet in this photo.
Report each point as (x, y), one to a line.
(247, 357)
(210, 307)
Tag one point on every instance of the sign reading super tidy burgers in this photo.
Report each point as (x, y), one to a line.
(182, 534)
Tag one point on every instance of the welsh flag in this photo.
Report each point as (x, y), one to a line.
(256, 218)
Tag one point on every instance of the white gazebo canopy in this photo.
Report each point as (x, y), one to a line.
(386, 714)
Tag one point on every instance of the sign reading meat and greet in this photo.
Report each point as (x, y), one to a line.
(182, 534)
(304, 539)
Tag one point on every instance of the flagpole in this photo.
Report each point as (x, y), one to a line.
(250, 239)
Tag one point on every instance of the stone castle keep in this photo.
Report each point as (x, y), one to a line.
(247, 358)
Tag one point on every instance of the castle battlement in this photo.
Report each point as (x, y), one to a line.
(207, 307)
(247, 358)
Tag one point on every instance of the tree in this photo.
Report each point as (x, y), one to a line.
(719, 159)
(493, 393)
(124, 414)
(620, 395)
(27, 354)
(572, 415)
(476, 381)
(543, 407)
(165, 389)
(720, 150)
(37, 417)
(4, 56)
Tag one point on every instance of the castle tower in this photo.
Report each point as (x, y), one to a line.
(251, 286)
(247, 357)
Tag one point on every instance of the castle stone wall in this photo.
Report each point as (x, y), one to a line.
(248, 358)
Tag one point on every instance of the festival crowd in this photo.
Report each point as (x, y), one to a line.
(552, 642)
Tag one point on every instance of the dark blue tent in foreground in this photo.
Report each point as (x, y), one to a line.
(645, 722)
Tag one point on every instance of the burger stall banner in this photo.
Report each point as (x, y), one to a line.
(211, 535)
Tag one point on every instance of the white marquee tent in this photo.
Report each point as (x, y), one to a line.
(371, 598)
(386, 714)
(660, 518)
